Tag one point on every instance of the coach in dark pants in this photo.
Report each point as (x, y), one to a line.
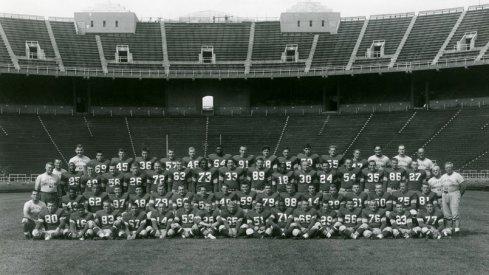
(48, 185)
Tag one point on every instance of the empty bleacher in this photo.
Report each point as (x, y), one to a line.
(430, 31)
(76, 50)
(4, 56)
(230, 41)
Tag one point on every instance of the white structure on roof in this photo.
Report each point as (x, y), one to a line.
(209, 16)
(106, 18)
(309, 16)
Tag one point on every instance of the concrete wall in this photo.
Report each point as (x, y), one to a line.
(288, 22)
(126, 22)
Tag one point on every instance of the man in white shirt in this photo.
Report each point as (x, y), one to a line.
(48, 185)
(32, 208)
(404, 160)
(453, 188)
(58, 170)
(424, 163)
(80, 160)
(380, 159)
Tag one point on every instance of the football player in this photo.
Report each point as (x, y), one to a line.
(181, 196)
(280, 217)
(269, 161)
(328, 220)
(160, 197)
(156, 178)
(268, 197)
(122, 162)
(135, 179)
(134, 224)
(95, 198)
(145, 161)
(206, 176)
(244, 160)
(79, 159)
(394, 175)
(81, 224)
(225, 196)
(290, 162)
(58, 170)
(424, 163)
(100, 164)
(381, 160)
(161, 219)
(51, 223)
(140, 199)
(89, 179)
(383, 199)
(282, 177)
(112, 179)
(407, 198)
(312, 197)
(291, 197)
(348, 175)
(311, 158)
(202, 197)
(351, 220)
(170, 161)
(70, 201)
(435, 182)
(231, 175)
(71, 179)
(404, 161)
(371, 176)
(333, 158)
(431, 222)
(358, 197)
(357, 161)
(246, 197)
(184, 221)
(426, 196)
(374, 221)
(334, 199)
(181, 176)
(119, 200)
(305, 177)
(401, 222)
(192, 161)
(415, 177)
(304, 224)
(205, 222)
(256, 220)
(259, 175)
(107, 222)
(219, 158)
(231, 221)
(31, 210)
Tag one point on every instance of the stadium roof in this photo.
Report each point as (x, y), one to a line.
(309, 6)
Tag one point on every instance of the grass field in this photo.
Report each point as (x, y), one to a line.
(468, 253)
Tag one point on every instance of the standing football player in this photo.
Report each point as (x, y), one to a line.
(371, 176)
(305, 177)
(394, 176)
(145, 161)
(192, 161)
(358, 161)
(404, 160)
(112, 179)
(156, 178)
(90, 179)
(381, 160)
(282, 177)
(219, 158)
(134, 179)
(333, 157)
(244, 160)
(58, 170)
(259, 175)
(205, 176)
(415, 177)
(231, 175)
(170, 160)
(79, 159)
(311, 158)
(100, 164)
(71, 179)
(348, 175)
(122, 162)
(424, 162)
(269, 161)
(289, 161)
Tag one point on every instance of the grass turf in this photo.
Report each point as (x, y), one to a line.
(467, 253)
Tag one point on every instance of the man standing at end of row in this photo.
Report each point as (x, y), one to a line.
(48, 185)
(453, 188)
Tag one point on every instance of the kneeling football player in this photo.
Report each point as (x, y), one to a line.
(184, 220)
(231, 221)
(350, 219)
(304, 224)
(51, 223)
(161, 220)
(328, 220)
(374, 221)
(81, 223)
(134, 223)
(281, 216)
(205, 222)
(402, 222)
(431, 222)
(107, 222)
(256, 221)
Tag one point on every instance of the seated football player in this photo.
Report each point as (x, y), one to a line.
(51, 223)
(202, 197)
(161, 219)
(291, 197)
(383, 199)
(305, 177)
(374, 221)
(112, 179)
(119, 200)
(231, 175)
(224, 197)
(351, 220)
(259, 175)
(139, 199)
(81, 223)
(314, 198)
(426, 196)
(280, 217)
(71, 200)
(181, 196)
(205, 222)
(431, 222)
(160, 197)
(401, 222)
(134, 222)
(95, 198)
(304, 224)
(157, 177)
(231, 221)
(184, 220)
(256, 219)
(268, 197)
(358, 197)
(327, 223)
(107, 222)
(246, 197)
(335, 200)
(31, 211)
(282, 177)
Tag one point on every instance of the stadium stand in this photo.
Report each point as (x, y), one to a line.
(428, 35)
(4, 56)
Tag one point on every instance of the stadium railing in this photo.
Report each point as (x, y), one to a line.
(464, 102)
(36, 109)
(19, 178)
(372, 108)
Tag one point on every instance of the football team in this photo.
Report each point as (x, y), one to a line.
(291, 196)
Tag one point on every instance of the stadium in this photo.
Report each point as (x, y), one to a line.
(311, 78)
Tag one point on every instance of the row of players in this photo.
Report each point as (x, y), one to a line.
(378, 214)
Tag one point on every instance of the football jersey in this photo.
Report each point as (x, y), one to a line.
(291, 200)
(348, 177)
(180, 177)
(119, 203)
(161, 219)
(134, 221)
(164, 199)
(169, 163)
(69, 204)
(290, 162)
(334, 161)
(334, 200)
(404, 198)
(326, 179)
(122, 165)
(112, 181)
(374, 218)
(135, 180)
(400, 219)
(304, 178)
(404, 161)
(208, 216)
(359, 163)
(244, 162)
(384, 201)
(95, 201)
(79, 221)
(87, 181)
(281, 180)
(217, 161)
(191, 163)
(71, 180)
(145, 164)
(51, 221)
(105, 219)
(432, 219)
(359, 200)
(423, 199)
(269, 200)
(186, 218)
(154, 179)
(350, 217)
(259, 177)
(178, 199)
(258, 219)
(314, 199)
(281, 217)
(380, 162)
(246, 200)
(394, 177)
(415, 179)
(312, 159)
(305, 217)
(201, 200)
(370, 178)
(232, 218)
(436, 185)
(232, 177)
(100, 167)
(327, 217)
(270, 161)
(205, 178)
(140, 200)
(223, 199)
